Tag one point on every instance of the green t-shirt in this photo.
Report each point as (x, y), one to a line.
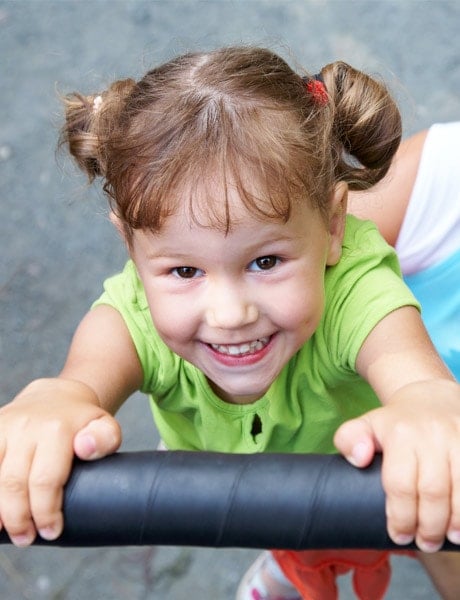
(317, 390)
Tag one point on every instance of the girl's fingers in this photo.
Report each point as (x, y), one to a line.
(399, 479)
(356, 441)
(453, 532)
(99, 438)
(434, 501)
(418, 495)
(48, 474)
(37, 434)
(420, 470)
(14, 495)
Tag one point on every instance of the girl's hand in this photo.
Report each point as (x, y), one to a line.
(418, 431)
(49, 421)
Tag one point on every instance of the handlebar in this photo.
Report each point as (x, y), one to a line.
(285, 501)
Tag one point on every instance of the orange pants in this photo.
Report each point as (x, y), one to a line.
(314, 572)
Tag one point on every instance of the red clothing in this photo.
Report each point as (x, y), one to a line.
(314, 572)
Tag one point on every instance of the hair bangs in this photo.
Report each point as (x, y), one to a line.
(215, 157)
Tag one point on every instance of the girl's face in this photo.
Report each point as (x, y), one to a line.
(238, 305)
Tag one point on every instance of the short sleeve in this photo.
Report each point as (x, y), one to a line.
(125, 293)
(361, 290)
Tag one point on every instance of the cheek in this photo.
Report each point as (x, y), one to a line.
(172, 322)
(301, 308)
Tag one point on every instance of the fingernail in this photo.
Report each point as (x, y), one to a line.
(359, 454)
(429, 547)
(89, 444)
(48, 533)
(22, 540)
(403, 539)
(454, 536)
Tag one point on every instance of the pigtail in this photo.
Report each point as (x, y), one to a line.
(89, 121)
(367, 125)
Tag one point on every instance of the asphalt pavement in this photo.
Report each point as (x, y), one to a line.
(58, 245)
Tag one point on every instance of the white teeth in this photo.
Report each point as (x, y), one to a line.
(246, 348)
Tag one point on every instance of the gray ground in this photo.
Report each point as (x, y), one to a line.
(58, 246)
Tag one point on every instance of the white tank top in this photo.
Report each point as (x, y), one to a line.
(431, 227)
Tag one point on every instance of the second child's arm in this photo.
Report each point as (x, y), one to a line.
(53, 419)
(386, 202)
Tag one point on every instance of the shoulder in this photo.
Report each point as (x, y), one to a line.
(364, 245)
(367, 270)
(124, 288)
(125, 292)
(364, 286)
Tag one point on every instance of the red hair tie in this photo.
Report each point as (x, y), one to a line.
(315, 86)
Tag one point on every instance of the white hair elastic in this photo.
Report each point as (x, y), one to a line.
(97, 103)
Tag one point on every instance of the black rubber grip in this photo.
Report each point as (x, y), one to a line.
(285, 501)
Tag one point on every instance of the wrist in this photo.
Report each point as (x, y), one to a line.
(59, 385)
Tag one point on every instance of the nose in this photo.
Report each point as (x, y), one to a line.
(229, 307)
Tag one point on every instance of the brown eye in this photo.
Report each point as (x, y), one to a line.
(185, 272)
(264, 263)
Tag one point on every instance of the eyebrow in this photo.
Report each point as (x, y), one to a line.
(176, 254)
(167, 254)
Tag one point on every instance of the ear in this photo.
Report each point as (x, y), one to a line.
(337, 216)
(118, 224)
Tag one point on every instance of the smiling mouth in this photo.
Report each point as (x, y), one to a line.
(241, 349)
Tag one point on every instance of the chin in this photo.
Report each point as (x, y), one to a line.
(245, 395)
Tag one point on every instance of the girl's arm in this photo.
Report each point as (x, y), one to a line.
(386, 202)
(53, 419)
(103, 356)
(417, 429)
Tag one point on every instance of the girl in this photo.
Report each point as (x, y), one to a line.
(255, 314)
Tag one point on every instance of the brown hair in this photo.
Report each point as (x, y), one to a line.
(237, 116)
